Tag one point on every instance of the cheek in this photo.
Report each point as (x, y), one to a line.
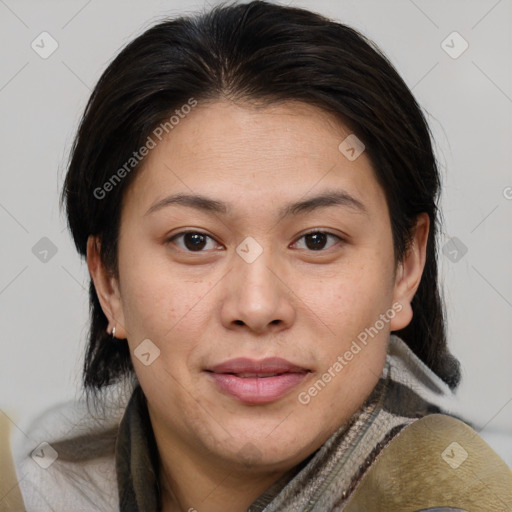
(350, 304)
(352, 298)
(156, 302)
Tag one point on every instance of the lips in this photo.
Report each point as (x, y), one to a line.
(270, 365)
(257, 382)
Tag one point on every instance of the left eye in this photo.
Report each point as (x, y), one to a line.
(316, 240)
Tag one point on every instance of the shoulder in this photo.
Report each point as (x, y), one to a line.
(65, 459)
(436, 461)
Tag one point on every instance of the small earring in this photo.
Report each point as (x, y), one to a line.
(113, 332)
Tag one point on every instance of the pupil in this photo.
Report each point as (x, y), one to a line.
(197, 241)
(318, 240)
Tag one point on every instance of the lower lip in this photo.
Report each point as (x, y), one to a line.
(257, 390)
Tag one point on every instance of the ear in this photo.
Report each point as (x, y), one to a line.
(409, 272)
(107, 288)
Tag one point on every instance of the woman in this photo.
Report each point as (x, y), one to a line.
(255, 193)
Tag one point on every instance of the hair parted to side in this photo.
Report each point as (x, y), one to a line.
(268, 53)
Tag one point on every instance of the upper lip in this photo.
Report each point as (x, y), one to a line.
(246, 365)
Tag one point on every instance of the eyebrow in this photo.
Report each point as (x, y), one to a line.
(324, 200)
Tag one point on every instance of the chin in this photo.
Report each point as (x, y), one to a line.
(260, 452)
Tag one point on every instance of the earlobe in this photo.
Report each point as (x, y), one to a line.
(409, 272)
(107, 288)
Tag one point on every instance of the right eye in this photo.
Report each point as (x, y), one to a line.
(192, 241)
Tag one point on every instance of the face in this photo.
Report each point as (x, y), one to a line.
(258, 300)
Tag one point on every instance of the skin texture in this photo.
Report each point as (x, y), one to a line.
(292, 301)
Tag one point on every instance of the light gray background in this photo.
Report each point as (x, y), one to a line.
(44, 306)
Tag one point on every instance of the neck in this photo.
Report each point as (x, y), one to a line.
(192, 486)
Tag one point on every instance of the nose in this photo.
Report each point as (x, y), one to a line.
(257, 296)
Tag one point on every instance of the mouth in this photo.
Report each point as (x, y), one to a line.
(254, 375)
(257, 382)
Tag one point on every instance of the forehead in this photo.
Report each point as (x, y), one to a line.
(270, 154)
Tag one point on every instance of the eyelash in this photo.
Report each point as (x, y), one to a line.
(182, 233)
